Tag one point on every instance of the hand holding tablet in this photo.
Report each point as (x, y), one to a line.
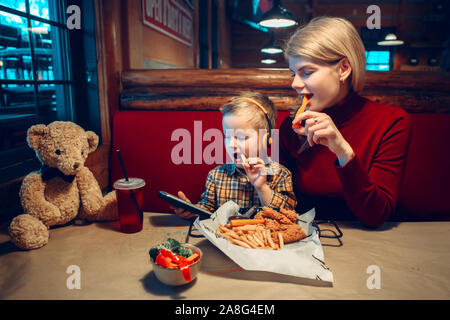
(180, 203)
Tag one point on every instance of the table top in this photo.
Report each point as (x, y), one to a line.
(411, 260)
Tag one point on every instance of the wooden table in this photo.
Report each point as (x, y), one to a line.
(413, 260)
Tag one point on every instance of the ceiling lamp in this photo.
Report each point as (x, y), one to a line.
(277, 17)
(390, 40)
(271, 47)
(268, 60)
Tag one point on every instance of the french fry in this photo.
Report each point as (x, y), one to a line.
(264, 236)
(227, 236)
(227, 233)
(255, 238)
(250, 241)
(300, 110)
(246, 228)
(240, 243)
(244, 239)
(234, 235)
(252, 235)
(280, 238)
(260, 234)
(269, 238)
(223, 229)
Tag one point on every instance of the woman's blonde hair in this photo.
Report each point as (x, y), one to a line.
(328, 40)
(245, 107)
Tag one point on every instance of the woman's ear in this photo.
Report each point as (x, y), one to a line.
(345, 69)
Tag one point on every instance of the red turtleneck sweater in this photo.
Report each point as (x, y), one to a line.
(367, 186)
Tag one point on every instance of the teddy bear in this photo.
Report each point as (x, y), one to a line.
(63, 189)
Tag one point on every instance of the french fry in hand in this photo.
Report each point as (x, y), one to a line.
(300, 110)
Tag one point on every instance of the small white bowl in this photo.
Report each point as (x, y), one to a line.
(174, 277)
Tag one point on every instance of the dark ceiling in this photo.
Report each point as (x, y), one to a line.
(421, 24)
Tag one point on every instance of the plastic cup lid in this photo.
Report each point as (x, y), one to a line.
(132, 183)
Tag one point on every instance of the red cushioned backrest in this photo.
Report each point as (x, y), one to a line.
(425, 189)
(144, 140)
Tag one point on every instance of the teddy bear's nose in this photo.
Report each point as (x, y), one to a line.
(76, 165)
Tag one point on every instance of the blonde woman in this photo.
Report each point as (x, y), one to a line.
(348, 155)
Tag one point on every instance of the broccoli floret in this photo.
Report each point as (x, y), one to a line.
(153, 253)
(170, 244)
(182, 251)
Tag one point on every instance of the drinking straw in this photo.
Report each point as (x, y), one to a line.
(132, 195)
(122, 165)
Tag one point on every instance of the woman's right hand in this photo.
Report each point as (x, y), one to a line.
(181, 212)
(320, 129)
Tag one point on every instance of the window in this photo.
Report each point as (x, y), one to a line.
(378, 60)
(41, 76)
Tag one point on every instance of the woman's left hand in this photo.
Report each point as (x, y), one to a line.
(320, 129)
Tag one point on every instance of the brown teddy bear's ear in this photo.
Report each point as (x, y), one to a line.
(35, 134)
(92, 140)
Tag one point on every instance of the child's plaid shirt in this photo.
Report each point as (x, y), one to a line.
(227, 182)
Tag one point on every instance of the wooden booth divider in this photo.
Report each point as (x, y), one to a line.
(204, 89)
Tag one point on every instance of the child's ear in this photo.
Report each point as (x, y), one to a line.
(92, 138)
(266, 143)
(35, 134)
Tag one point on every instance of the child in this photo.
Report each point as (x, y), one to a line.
(249, 181)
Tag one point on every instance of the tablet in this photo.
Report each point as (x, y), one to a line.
(179, 203)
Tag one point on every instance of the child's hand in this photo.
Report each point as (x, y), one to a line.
(255, 169)
(181, 212)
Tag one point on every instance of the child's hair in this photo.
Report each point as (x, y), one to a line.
(244, 106)
(328, 40)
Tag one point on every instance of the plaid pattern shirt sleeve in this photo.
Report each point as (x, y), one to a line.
(208, 197)
(283, 195)
(225, 183)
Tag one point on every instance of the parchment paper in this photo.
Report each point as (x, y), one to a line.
(303, 258)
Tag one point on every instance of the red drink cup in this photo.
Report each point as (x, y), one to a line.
(130, 196)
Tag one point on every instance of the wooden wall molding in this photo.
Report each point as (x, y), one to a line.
(109, 56)
(201, 89)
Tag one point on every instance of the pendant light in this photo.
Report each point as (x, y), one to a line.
(271, 47)
(268, 60)
(390, 40)
(277, 17)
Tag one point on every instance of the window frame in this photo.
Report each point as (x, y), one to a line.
(17, 162)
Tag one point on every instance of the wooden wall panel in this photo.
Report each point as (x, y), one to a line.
(209, 89)
(141, 43)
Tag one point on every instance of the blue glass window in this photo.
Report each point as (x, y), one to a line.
(378, 60)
